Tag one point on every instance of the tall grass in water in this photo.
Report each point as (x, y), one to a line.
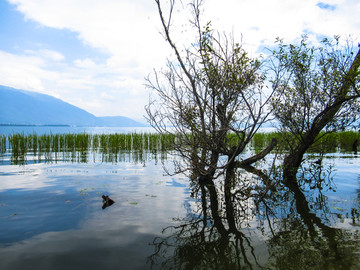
(76, 147)
(325, 143)
(347, 140)
(334, 142)
(18, 144)
(262, 140)
(136, 146)
(2, 144)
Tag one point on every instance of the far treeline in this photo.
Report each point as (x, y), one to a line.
(211, 87)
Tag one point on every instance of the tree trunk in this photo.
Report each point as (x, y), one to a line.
(229, 180)
(261, 155)
(294, 159)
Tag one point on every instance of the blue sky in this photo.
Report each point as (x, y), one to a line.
(96, 54)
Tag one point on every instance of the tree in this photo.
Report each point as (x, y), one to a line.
(297, 230)
(211, 98)
(317, 89)
(204, 239)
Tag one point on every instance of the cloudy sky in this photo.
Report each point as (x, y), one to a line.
(95, 54)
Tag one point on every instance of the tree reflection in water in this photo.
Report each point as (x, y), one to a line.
(254, 222)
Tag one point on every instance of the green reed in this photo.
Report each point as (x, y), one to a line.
(117, 147)
(347, 139)
(2, 144)
(324, 143)
(77, 147)
(262, 140)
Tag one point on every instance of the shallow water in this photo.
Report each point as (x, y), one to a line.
(52, 217)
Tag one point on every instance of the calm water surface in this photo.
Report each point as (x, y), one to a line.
(52, 217)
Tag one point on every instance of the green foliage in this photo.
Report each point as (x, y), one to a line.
(310, 80)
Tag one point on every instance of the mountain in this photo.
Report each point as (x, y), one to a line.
(20, 107)
(113, 121)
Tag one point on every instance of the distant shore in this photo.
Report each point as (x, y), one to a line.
(33, 125)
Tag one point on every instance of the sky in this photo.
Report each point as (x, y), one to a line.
(96, 54)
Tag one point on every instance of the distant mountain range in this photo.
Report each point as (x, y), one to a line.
(20, 107)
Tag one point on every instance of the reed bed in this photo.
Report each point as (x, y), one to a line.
(83, 141)
(76, 147)
(112, 143)
(2, 144)
(137, 146)
(344, 141)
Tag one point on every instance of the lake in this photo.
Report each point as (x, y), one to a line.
(6, 130)
(52, 216)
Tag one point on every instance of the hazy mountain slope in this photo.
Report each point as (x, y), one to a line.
(30, 108)
(25, 107)
(116, 121)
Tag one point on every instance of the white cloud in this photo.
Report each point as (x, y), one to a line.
(125, 30)
(46, 54)
(52, 55)
(85, 63)
(23, 71)
(261, 21)
(128, 31)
